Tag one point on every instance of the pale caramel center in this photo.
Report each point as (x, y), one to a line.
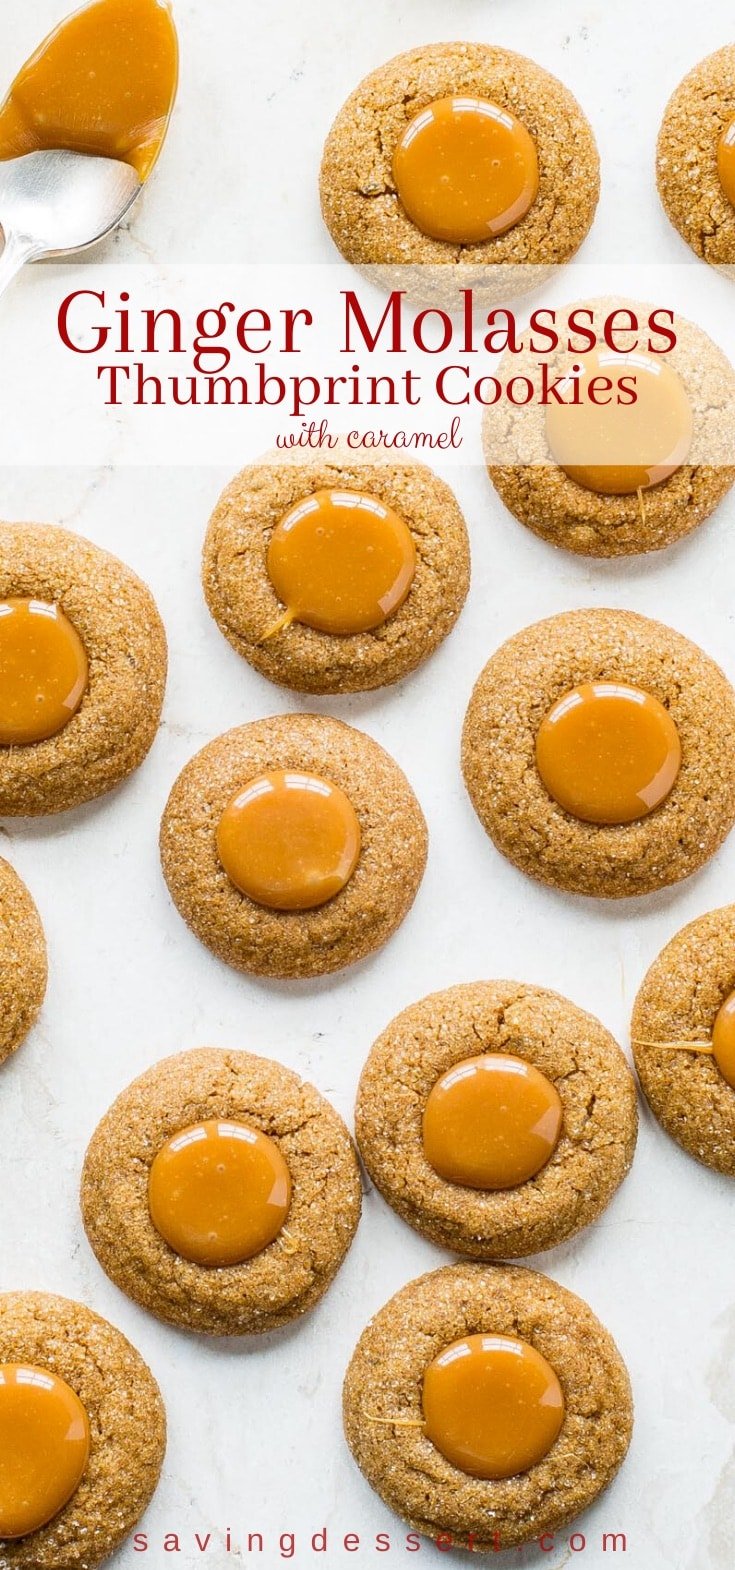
(219, 1192)
(610, 444)
(289, 840)
(103, 82)
(492, 1405)
(43, 671)
(465, 170)
(44, 1447)
(608, 752)
(491, 1122)
(341, 561)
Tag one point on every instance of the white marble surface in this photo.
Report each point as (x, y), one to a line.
(255, 1441)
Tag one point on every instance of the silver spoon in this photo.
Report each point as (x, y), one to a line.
(53, 202)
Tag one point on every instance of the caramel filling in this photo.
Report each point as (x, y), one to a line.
(618, 448)
(608, 753)
(219, 1193)
(289, 841)
(465, 170)
(491, 1122)
(340, 561)
(43, 671)
(493, 1405)
(726, 161)
(44, 1447)
(723, 1040)
(103, 82)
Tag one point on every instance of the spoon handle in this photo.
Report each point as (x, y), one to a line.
(18, 249)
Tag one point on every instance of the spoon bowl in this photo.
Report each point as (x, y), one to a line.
(55, 202)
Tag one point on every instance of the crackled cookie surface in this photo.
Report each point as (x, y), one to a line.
(22, 961)
(336, 576)
(640, 477)
(400, 1423)
(72, 1377)
(695, 162)
(598, 753)
(82, 670)
(496, 1118)
(383, 199)
(195, 1233)
(293, 846)
(682, 1039)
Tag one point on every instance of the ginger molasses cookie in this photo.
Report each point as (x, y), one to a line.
(221, 1192)
(487, 1405)
(468, 164)
(695, 158)
(22, 961)
(82, 670)
(683, 1035)
(82, 1434)
(336, 576)
(293, 846)
(496, 1118)
(599, 753)
(618, 477)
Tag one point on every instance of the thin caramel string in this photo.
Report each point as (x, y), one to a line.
(290, 1246)
(678, 1046)
(641, 504)
(395, 1422)
(284, 620)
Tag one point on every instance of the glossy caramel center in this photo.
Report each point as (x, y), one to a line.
(103, 82)
(43, 671)
(608, 752)
(491, 1122)
(723, 1040)
(288, 840)
(219, 1192)
(44, 1447)
(465, 170)
(618, 448)
(726, 161)
(341, 561)
(492, 1405)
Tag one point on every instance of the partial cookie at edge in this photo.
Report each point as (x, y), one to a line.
(678, 1000)
(699, 110)
(23, 964)
(127, 1421)
(118, 622)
